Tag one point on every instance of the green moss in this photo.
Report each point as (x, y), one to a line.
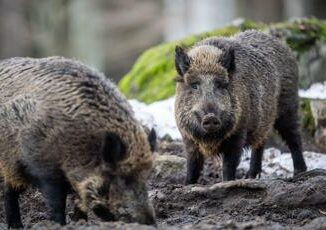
(301, 34)
(151, 77)
(306, 117)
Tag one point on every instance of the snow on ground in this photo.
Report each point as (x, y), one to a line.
(159, 115)
(277, 164)
(316, 91)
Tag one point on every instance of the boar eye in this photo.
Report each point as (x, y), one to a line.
(194, 85)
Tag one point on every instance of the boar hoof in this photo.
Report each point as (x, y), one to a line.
(252, 175)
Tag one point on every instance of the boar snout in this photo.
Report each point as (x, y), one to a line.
(210, 122)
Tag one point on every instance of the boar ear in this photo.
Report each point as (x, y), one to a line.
(227, 59)
(113, 149)
(152, 139)
(181, 60)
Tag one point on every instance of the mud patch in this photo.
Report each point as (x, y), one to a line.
(272, 202)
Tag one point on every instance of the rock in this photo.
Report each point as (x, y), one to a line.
(317, 224)
(320, 138)
(312, 64)
(318, 109)
(174, 147)
(169, 169)
(306, 214)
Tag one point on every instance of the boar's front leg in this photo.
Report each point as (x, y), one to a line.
(195, 162)
(55, 194)
(11, 203)
(45, 175)
(231, 154)
(256, 162)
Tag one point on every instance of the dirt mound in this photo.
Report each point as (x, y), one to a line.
(268, 203)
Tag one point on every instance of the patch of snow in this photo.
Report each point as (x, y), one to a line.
(159, 115)
(277, 164)
(316, 91)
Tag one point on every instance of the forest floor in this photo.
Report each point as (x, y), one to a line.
(276, 201)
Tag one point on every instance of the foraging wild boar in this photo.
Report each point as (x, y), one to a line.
(230, 93)
(65, 128)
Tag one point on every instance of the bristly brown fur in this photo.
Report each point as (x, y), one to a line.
(249, 82)
(66, 93)
(54, 113)
(205, 59)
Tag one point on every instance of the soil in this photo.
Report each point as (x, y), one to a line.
(269, 203)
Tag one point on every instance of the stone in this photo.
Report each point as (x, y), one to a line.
(318, 110)
(169, 168)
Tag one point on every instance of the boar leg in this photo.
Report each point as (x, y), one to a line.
(78, 214)
(195, 162)
(231, 161)
(255, 162)
(231, 155)
(11, 203)
(288, 128)
(55, 194)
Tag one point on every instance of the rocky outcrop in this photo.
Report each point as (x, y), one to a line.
(318, 109)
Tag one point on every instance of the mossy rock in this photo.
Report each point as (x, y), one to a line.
(151, 77)
(306, 117)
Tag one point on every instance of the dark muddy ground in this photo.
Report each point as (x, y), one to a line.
(276, 203)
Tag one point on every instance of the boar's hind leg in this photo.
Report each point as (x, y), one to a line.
(195, 162)
(255, 162)
(11, 196)
(288, 128)
(231, 154)
(55, 194)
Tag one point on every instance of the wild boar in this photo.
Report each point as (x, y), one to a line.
(230, 93)
(65, 128)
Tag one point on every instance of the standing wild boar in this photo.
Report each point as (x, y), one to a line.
(230, 93)
(65, 128)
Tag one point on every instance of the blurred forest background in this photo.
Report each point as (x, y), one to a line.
(110, 34)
